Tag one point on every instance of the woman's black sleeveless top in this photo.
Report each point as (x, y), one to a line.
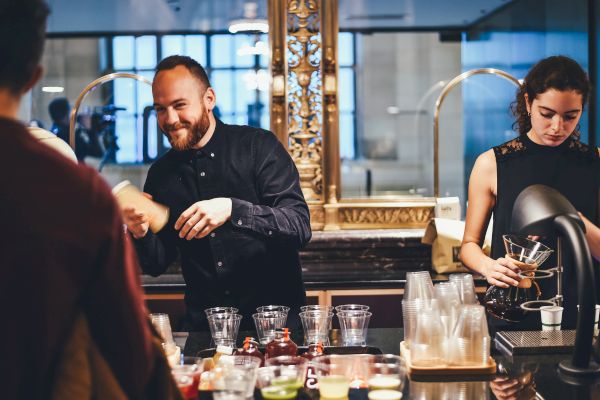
(572, 168)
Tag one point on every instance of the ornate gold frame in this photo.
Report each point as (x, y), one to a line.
(304, 116)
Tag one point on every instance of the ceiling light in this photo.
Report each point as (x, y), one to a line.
(259, 48)
(249, 22)
(53, 89)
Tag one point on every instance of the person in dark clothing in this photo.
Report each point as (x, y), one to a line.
(87, 140)
(547, 151)
(66, 263)
(238, 216)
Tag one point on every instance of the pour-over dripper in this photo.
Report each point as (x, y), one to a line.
(528, 255)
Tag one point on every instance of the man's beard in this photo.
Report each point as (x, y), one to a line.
(194, 134)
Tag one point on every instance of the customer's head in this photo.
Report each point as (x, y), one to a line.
(551, 99)
(59, 109)
(22, 32)
(183, 100)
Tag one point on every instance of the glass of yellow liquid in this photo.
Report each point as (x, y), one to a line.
(334, 373)
(387, 375)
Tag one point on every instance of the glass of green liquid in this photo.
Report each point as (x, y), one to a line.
(282, 381)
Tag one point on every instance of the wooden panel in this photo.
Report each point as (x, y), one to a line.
(385, 304)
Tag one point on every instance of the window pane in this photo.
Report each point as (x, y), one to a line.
(124, 92)
(126, 138)
(347, 135)
(152, 136)
(228, 118)
(345, 49)
(144, 92)
(123, 52)
(171, 45)
(346, 89)
(145, 52)
(241, 42)
(220, 50)
(246, 84)
(222, 81)
(264, 58)
(264, 121)
(195, 47)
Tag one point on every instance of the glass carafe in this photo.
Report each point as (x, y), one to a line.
(528, 255)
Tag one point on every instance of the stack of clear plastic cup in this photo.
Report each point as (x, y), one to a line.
(410, 311)
(470, 342)
(427, 345)
(353, 327)
(267, 323)
(224, 328)
(418, 286)
(466, 287)
(446, 293)
(316, 325)
(163, 326)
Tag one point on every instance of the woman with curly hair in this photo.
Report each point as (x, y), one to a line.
(547, 151)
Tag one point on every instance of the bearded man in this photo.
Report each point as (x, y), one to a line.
(237, 214)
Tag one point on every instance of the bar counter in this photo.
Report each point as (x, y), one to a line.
(522, 377)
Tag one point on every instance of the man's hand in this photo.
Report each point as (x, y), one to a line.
(136, 221)
(203, 217)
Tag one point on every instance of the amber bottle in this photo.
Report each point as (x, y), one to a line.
(282, 345)
(250, 348)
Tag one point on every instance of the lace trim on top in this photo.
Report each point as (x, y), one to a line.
(519, 145)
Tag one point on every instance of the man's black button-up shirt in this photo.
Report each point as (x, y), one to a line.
(251, 260)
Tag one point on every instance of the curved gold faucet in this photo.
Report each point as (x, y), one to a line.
(89, 88)
(436, 116)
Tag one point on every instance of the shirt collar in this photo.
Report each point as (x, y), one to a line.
(212, 148)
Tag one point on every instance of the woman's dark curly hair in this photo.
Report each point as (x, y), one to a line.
(556, 72)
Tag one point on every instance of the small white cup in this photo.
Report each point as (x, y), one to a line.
(596, 318)
(551, 317)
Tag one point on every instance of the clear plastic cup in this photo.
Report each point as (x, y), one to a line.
(427, 345)
(235, 379)
(418, 286)
(470, 343)
(163, 326)
(353, 327)
(281, 309)
(316, 307)
(466, 287)
(351, 307)
(267, 323)
(446, 293)
(334, 373)
(224, 328)
(316, 325)
(220, 310)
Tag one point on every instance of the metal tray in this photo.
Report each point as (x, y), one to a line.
(302, 349)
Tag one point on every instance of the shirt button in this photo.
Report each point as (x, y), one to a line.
(270, 233)
(227, 293)
(212, 234)
(212, 154)
(202, 173)
(220, 264)
(239, 221)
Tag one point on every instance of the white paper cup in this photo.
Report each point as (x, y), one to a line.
(551, 317)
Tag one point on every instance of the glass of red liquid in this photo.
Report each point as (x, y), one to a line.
(187, 377)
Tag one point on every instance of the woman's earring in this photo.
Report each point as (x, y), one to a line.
(528, 114)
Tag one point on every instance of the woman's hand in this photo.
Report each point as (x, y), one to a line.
(502, 273)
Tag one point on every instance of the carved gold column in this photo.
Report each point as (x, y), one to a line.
(305, 117)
